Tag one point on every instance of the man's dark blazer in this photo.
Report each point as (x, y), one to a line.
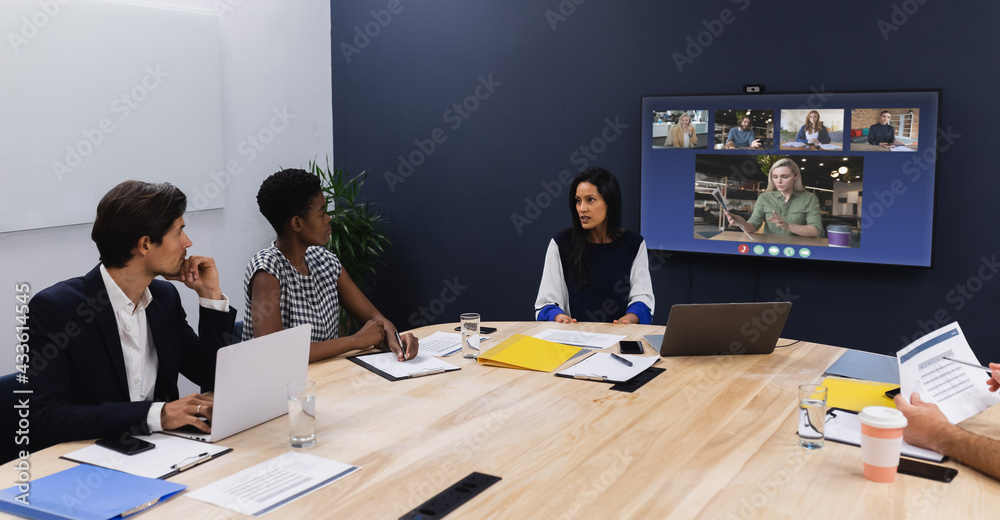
(78, 369)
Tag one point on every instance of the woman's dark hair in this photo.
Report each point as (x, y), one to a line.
(133, 210)
(287, 194)
(607, 186)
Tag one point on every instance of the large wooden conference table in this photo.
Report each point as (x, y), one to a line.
(711, 437)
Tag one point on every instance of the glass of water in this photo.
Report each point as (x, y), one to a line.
(812, 415)
(302, 413)
(470, 335)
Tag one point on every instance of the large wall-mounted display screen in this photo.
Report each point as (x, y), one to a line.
(836, 176)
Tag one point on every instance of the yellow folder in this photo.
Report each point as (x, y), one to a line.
(520, 351)
(855, 394)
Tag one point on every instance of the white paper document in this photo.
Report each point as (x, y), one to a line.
(580, 339)
(171, 455)
(603, 367)
(845, 427)
(260, 489)
(960, 391)
(441, 344)
(423, 364)
(718, 198)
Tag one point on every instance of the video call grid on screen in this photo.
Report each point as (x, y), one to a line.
(890, 215)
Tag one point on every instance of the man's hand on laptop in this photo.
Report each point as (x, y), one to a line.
(187, 410)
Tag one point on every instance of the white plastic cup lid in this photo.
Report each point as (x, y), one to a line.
(882, 417)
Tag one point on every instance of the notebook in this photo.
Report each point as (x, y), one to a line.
(712, 329)
(251, 381)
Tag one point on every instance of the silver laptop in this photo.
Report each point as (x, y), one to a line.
(714, 329)
(251, 380)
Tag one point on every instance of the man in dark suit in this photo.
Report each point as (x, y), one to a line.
(106, 348)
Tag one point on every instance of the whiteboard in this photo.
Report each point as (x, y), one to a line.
(95, 92)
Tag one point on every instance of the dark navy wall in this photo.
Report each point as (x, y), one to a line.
(541, 79)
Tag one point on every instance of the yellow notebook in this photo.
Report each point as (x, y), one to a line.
(855, 394)
(520, 351)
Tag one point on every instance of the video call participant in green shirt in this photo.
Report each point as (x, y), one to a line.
(786, 205)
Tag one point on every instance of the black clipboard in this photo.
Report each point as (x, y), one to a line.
(363, 364)
(186, 464)
(625, 386)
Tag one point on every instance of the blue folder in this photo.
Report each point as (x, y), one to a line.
(86, 492)
(858, 364)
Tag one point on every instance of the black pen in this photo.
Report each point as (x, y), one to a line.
(401, 347)
(623, 360)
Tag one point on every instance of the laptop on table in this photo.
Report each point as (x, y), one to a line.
(251, 378)
(713, 329)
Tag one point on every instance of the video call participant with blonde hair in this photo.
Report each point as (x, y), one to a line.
(682, 134)
(786, 206)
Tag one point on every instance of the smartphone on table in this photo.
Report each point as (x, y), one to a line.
(630, 347)
(126, 444)
(925, 470)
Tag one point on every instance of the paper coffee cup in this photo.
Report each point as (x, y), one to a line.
(881, 440)
(838, 235)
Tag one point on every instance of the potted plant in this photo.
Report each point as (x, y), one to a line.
(356, 239)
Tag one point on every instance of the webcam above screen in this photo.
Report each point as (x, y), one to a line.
(833, 176)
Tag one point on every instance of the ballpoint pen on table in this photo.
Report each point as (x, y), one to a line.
(191, 461)
(624, 361)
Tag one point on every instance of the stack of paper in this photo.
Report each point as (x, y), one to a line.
(580, 339)
(441, 344)
(269, 485)
(520, 351)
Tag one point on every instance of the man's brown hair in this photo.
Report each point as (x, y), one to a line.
(130, 211)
